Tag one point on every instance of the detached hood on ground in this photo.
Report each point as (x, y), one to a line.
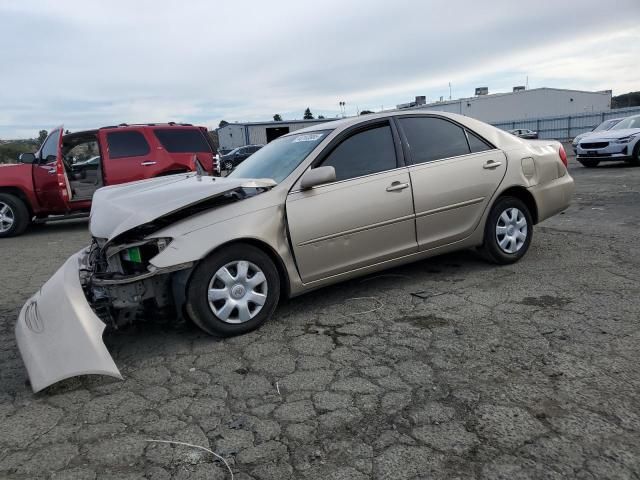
(612, 134)
(120, 208)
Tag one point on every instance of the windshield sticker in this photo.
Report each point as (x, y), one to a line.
(312, 137)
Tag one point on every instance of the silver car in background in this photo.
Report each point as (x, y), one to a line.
(315, 207)
(621, 142)
(606, 125)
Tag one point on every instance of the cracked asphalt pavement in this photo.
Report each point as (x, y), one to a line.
(447, 368)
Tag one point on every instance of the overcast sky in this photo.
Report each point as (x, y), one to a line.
(91, 63)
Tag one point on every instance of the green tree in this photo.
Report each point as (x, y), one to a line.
(320, 117)
(307, 114)
(277, 118)
(631, 99)
(223, 123)
(42, 136)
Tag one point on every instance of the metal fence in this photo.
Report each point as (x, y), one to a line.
(567, 127)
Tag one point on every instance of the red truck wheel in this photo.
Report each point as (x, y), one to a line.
(14, 216)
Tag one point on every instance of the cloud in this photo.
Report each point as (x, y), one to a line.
(89, 64)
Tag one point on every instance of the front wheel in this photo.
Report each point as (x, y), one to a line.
(14, 216)
(228, 165)
(233, 291)
(635, 158)
(508, 231)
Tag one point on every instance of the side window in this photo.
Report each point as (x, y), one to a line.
(363, 153)
(433, 138)
(127, 144)
(50, 146)
(182, 140)
(476, 143)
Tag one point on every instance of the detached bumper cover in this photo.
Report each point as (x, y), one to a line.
(59, 335)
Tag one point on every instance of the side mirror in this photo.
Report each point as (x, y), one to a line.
(317, 176)
(27, 158)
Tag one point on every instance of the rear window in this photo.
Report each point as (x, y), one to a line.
(182, 140)
(127, 144)
(433, 138)
(476, 143)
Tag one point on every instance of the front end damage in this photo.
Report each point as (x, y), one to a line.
(59, 330)
(122, 286)
(113, 281)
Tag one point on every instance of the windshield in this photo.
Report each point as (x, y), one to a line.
(629, 122)
(606, 125)
(280, 157)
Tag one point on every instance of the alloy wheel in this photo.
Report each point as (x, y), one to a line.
(237, 292)
(511, 230)
(7, 217)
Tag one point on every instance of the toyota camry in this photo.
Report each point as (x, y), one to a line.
(312, 208)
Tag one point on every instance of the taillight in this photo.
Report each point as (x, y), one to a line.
(62, 181)
(563, 155)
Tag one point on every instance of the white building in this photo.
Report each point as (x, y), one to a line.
(523, 104)
(260, 133)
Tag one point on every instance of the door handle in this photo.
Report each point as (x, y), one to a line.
(491, 164)
(52, 171)
(396, 186)
(146, 164)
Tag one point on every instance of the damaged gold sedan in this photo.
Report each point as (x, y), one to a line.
(312, 208)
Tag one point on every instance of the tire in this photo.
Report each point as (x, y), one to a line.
(234, 293)
(228, 165)
(590, 163)
(14, 216)
(510, 252)
(635, 159)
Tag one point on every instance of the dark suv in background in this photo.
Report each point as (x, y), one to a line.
(238, 155)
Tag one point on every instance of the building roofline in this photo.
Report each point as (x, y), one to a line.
(502, 94)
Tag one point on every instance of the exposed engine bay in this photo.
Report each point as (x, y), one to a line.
(122, 285)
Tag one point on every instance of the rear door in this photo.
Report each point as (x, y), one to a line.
(179, 144)
(49, 176)
(454, 174)
(127, 156)
(364, 217)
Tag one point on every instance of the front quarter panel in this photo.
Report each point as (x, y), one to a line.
(266, 226)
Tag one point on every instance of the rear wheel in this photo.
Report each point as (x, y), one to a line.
(14, 215)
(508, 231)
(228, 165)
(233, 291)
(590, 163)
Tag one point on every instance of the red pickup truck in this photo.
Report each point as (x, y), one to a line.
(58, 181)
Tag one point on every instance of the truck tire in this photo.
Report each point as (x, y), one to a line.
(14, 215)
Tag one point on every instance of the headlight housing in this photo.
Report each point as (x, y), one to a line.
(628, 139)
(135, 257)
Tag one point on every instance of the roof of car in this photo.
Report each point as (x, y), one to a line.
(496, 136)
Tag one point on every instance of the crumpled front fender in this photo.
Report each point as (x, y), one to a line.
(58, 334)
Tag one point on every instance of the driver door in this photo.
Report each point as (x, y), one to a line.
(49, 176)
(365, 217)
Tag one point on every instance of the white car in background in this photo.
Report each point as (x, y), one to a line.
(606, 125)
(622, 142)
